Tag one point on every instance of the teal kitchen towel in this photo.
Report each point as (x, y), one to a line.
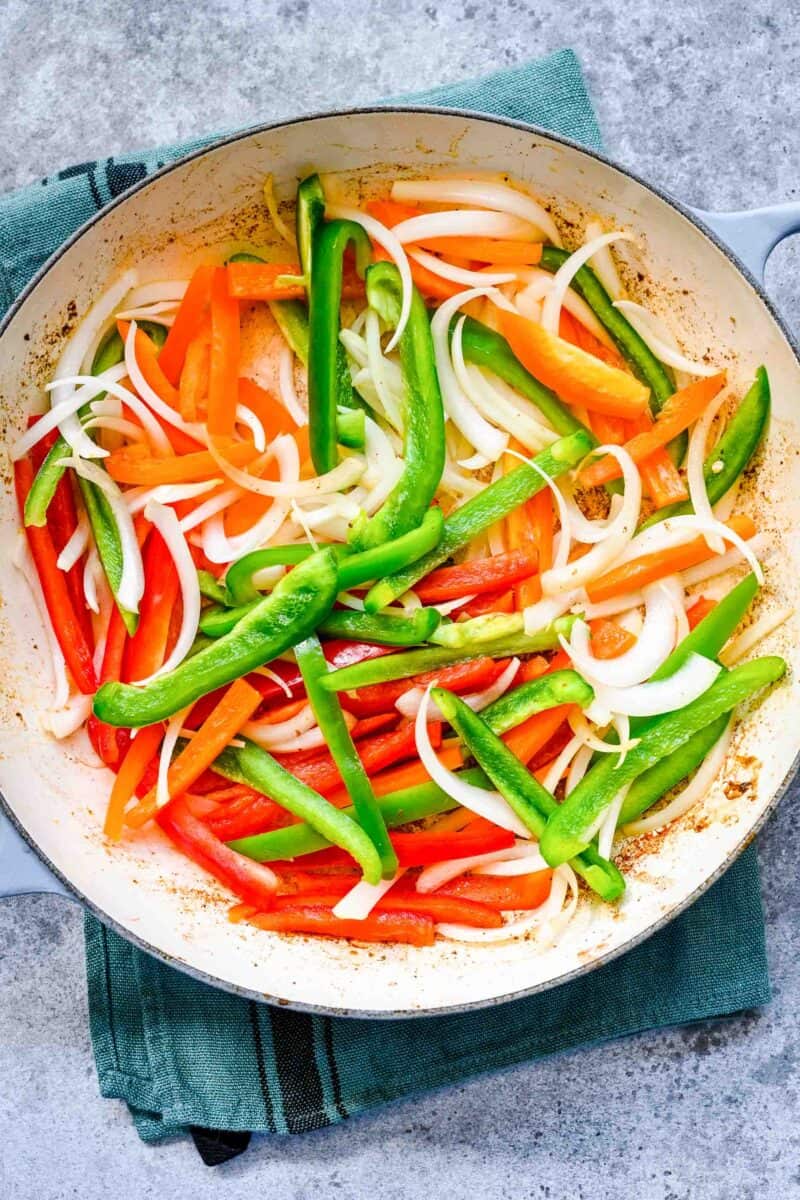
(185, 1056)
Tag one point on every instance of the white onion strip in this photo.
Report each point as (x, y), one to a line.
(358, 903)
(766, 624)
(158, 439)
(166, 522)
(605, 835)
(167, 493)
(171, 736)
(287, 389)
(602, 263)
(269, 735)
(480, 193)
(388, 239)
(438, 874)
(131, 584)
(245, 416)
(664, 695)
(686, 799)
(446, 270)
(559, 765)
(57, 415)
(527, 864)
(221, 548)
(655, 642)
(167, 413)
(76, 545)
(465, 223)
(563, 277)
(347, 473)
(652, 330)
(486, 804)
(695, 474)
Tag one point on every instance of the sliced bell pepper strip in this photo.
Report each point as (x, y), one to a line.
(330, 890)
(309, 216)
(131, 465)
(193, 386)
(239, 575)
(330, 718)
(64, 621)
(486, 250)
(609, 639)
(633, 575)
(515, 892)
(532, 803)
(576, 376)
(403, 927)
(257, 768)
(325, 294)
(296, 606)
(679, 411)
(423, 415)
(211, 588)
(191, 313)
(492, 504)
(264, 281)
(147, 648)
(470, 676)
(252, 882)
(431, 846)
(130, 774)
(382, 628)
(648, 789)
(479, 575)
(291, 317)
(351, 428)
(104, 736)
(700, 609)
(417, 662)
(147, 358)
(535, 696)
(571, 827)
(713, 631)
(394, 555)
(734, 450)
(223, 379)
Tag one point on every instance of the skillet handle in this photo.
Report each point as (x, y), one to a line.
(753, 234)
(22, 873)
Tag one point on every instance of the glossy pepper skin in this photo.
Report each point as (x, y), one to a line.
(532, 803)
(325, 297)
(258, 769)
(570, 829)
(496, 501)
(423, 415)
(383, 629)
(330, 718)
(653, 784)
(288, 614)
(742, 437)
(536, 695)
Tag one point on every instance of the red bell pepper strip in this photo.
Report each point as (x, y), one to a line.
(475, 577)
(500, 892)
(104, 736)
(434, 907)
(147, 648)
(421, 849)
(492, 602)
(65, 624)
(471, 676)
(402, 927)
(250, 881)
(188, 319)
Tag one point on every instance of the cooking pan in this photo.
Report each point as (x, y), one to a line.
(702, 269)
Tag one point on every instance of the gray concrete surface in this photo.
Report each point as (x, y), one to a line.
(702, 98)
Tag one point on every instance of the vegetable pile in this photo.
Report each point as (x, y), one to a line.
(404, 644)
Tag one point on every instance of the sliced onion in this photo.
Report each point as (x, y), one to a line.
(766, 624)
(166, 291)
(544, 612)
(464, 223)
(447, 606)
(23, 561)
(488, 440)
(610, 608)
(602, 263)
(674, 588)
(486, 804)
(131, 584)
(526, 864)
(582, 570)
(551, 918)
(383, 465)
(578, 767)
(166, 522)
(438, 874)
(173, 732)
(446, 270)
(245, 416)
(664, 695)
(654, 644)
(268, 735)
(167, 493)
(388, 239)
(359, 902)
(563, 277)
(589, 533)
(605, 834)
(75, 351)
(128, 429)
(92, 573)
(158, 439)
(272, 209)
(288, 391)
(695, 475)
(347, 473)
(209, 508)
(76, 545)
(582, 729)
(481, 194)
(539, 284)
(59, 413)
(221, 548)
(559, 765)
(162, 313)
(376, 362)
(686, 799)
(62, 722)
(268, 673)
(410, 702)
(167, 413)
(653, 331)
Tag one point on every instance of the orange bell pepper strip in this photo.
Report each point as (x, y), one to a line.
(272, 414)
(130, 774)
(402, 927)
(234, 709)
(104, 736)
(478, 576)
(223, 374)
(485, 250)
(147, 357)
(636, 574)
(193, 387)
(134, 465)
(576, 376)
(609, 639)
(680, 411)
(257, 281)
(191, 313)
(660, 476)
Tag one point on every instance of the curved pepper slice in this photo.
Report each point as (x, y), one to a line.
(288, 614)
(325, 297)
(537, 695)
(423, 415)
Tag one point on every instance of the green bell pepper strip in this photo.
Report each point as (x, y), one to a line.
(742, 437)
(651, 786)
(571, 828)
(487, 628)
(395, 555)
(431, 658)
(289, 613)
(423, 415)
(239, 576)
(218, 619)
(330, 718)
(483, 347)
(496, 501)
(383, 629)
(106, 539)
(562, 687)
(351, 428)
(325, 297)
(398, 808)
(309, 216)
(710, 635)
(531, 802)
(212, 589)
(631, 346)
(258, 769)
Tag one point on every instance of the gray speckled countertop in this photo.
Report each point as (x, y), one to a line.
(700, 97)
